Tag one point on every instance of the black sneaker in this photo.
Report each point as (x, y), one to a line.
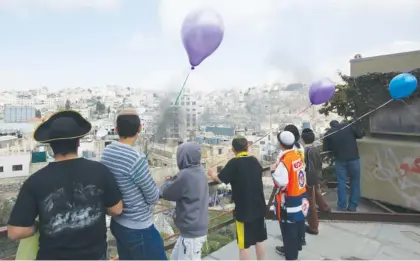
(351, 209)
(303, 242)
(280, 250)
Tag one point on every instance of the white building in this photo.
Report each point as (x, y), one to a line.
(15, 165)
(189, 104)
(15, 156)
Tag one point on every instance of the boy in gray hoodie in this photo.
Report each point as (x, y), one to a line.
(189, 189)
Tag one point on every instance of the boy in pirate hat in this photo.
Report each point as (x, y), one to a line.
(71, 196)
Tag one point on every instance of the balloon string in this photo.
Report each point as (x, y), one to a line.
(183, 86)
(305, 109)
(176, 103)
(255, 142)
(361, 117)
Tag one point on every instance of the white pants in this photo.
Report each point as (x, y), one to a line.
(188, 248)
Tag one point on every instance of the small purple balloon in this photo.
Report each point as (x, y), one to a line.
(321, 91)
(202, 33)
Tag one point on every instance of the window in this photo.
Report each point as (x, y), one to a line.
(193, 103)
(17, 167)
(220, 151)
(1, 169)
(188, 103)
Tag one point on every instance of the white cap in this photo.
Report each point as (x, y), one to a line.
(287, 138)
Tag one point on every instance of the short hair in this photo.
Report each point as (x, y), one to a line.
(295, 131)
(128, 125)
(240, 144)
(308, 136)
(64, 147)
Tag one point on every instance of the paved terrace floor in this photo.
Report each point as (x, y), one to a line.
(343, 241)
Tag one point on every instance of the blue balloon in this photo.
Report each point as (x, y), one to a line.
(402, 85)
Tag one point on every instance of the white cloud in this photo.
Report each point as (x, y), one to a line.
(141, 42)
(341, 64)
(300, 40)
(26, 6)
(252, 15)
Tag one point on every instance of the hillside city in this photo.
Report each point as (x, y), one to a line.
(211, 119)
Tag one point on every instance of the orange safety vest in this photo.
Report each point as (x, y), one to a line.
(291, 203)
(301, 154)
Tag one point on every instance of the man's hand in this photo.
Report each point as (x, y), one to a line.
(168, 178)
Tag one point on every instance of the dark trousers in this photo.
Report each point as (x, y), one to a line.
(302, 233)
(138, 244)
(292, 239)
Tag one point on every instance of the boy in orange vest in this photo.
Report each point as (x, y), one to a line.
(290, 203)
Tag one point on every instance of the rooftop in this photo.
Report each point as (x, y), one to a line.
(343, 241)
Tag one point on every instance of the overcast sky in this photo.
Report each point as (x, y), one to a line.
(86, 43)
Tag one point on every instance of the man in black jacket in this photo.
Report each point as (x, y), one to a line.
(341, 141)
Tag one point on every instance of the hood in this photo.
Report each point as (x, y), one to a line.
(334, 124)
(188, 155)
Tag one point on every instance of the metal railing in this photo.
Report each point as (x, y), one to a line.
(387, 216)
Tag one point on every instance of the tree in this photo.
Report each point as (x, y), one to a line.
(362, 94)
(68, 105)
(38, 114)
(359, 95)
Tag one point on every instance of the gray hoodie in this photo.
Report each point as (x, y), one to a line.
(189, 189)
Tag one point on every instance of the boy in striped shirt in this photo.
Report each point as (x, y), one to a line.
(137, 238)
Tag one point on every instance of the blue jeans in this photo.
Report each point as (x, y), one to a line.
(138, 244)
(351, 169)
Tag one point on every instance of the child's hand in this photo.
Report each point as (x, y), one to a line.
(273, 167)
(210, 173)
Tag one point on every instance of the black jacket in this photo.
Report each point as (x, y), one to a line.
(342, 143)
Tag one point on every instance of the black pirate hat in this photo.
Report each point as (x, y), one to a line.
(63, 125)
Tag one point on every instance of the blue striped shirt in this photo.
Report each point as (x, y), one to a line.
(138, 189)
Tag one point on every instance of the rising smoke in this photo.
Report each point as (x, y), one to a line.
(167, 116)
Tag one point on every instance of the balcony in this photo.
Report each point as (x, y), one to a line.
(375, 232)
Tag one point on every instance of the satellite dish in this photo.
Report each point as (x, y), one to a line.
(101, 133)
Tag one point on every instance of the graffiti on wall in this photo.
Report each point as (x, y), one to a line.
(390, 174)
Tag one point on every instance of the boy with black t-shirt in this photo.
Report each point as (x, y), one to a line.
(244, 173)
(69, 196)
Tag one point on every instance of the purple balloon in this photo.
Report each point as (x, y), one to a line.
(202, 33)
(321, 91)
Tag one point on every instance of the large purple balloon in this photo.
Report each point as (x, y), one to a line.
(202, 33)
(321, 91)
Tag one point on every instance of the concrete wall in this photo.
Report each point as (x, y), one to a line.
(386, 159)
(399, 62)
(391, 172)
